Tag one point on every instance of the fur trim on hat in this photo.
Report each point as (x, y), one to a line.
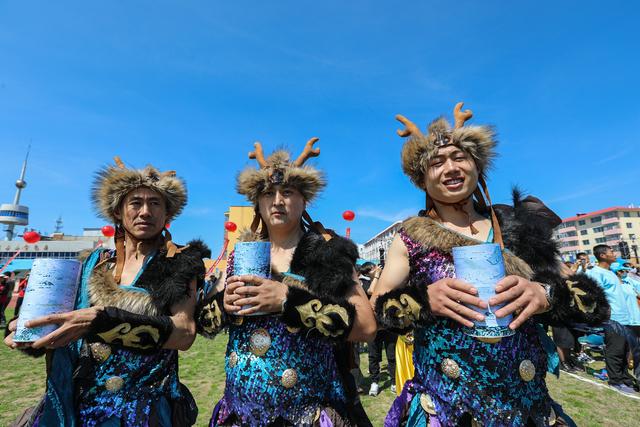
(478, 141)
(113, 183)
(308, 180)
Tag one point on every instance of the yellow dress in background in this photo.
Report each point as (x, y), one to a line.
(404, 361)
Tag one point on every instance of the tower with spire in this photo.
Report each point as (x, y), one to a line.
(58, 228)
(12, 214)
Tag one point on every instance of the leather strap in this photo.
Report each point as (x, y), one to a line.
(171, 247)
(120, 252)
(480, 190)
(317, 226)
(497, 232)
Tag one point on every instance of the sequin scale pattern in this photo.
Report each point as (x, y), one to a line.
(126, 385)
(489, 385)
(286, 376)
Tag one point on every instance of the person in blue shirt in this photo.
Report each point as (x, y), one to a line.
(631, 290)
(624, 324)
(628, 275)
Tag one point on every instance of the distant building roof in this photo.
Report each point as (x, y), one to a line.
(600, 212)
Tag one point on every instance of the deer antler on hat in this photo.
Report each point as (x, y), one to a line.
(478, 141)
(278, 169)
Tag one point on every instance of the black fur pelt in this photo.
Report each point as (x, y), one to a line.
(327, 266)
(401, 317)
(575, 299)
(167, 279)
(527, 230)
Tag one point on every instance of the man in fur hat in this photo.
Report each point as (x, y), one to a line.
(289, 365)
(114, 360)
(461, 379)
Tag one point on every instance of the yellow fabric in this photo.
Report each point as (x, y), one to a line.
(404, 361)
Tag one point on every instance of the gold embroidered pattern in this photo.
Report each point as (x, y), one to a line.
(211, 318)
(315, 314)
(576, 298)
(407, 309)
(130, 337)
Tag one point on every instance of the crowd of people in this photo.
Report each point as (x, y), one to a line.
(621, 283)
(113, 360)
(7, 287)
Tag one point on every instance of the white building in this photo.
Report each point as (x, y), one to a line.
(57, 245)
(371, 249)
(609, 226)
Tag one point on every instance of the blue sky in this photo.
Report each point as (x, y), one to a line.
(190, 85)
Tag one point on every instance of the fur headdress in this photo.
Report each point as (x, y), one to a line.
(478, 141)
(278, 169)
(113, 183)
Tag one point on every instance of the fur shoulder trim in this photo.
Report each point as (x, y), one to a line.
(168, 279)
(430, 234)
(104, 291)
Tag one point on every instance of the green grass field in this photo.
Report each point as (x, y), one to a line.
(202, 370)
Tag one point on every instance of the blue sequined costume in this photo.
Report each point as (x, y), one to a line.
(458, 376)
(101, 385)
(488, 382)
(278, 375)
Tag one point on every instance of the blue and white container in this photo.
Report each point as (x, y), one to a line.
(483, 267)
(252, 258)
(51, 289)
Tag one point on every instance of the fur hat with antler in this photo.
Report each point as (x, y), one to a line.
(278, 169)
(113, 183)
(478, 141)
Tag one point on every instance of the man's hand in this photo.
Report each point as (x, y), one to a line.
(448, 296)
(524, 297)
(263, 295)
(73, 326)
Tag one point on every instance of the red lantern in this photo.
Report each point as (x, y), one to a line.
(31, 237)
(348, 215)
(108, 231)
(230, 226)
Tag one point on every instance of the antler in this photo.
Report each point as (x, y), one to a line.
(119, 163)
(258, 154)
(461, 116)
(308, 151)
(410, 128)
